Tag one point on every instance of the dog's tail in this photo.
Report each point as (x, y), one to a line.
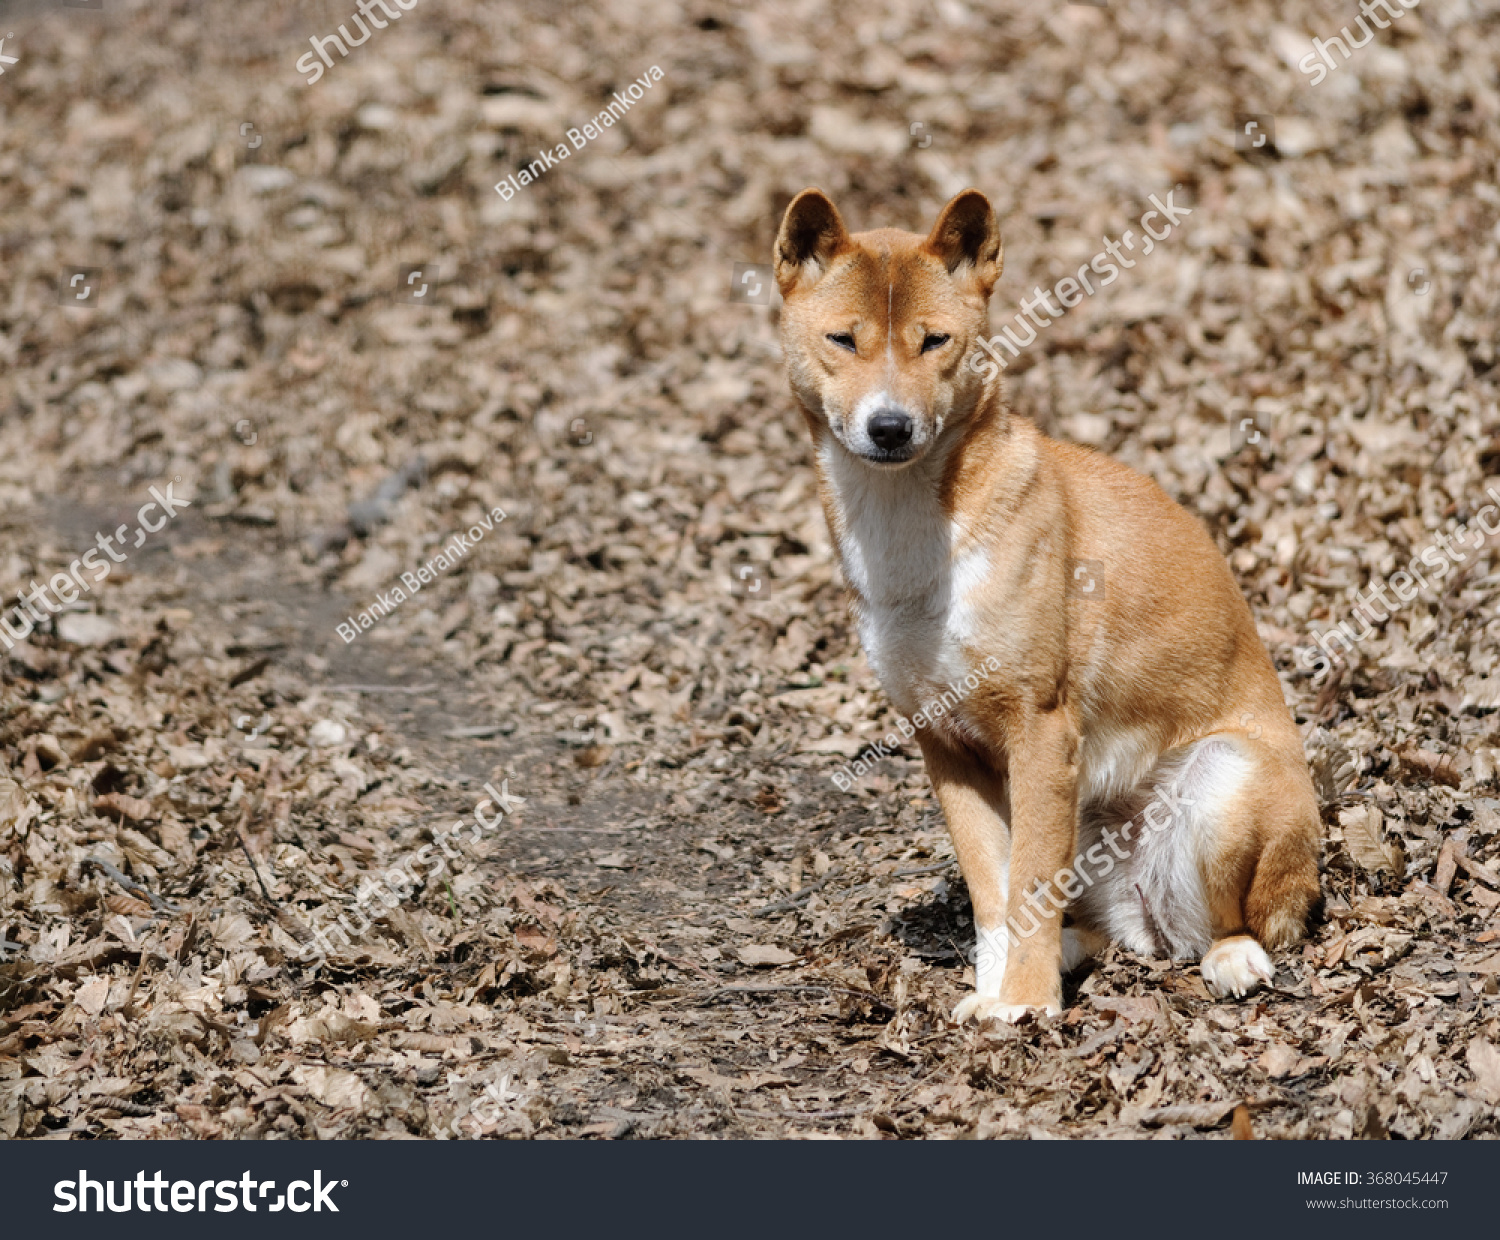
(1156, 902)
(1284, 890)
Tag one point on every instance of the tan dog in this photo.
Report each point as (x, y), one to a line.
(1101, 723)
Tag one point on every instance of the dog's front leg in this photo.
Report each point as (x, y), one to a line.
(1044, 829)
(975, 806)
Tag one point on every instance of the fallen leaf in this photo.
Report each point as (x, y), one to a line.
(1425, 764)
(1132, 1008)
(137, 809)
(86, 629)
(333, 1087)
(536, 940)
(762, 954)
(1490, 964)
(92, 995)
(1278, 1060)
(1197, 1115)
(1447, 866)
(1484, 1063)
(16, 808)
(1364, 837)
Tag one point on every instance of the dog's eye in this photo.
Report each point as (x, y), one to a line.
(935, 341)
(843, 339)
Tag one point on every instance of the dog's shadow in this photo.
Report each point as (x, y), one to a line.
(938, 927)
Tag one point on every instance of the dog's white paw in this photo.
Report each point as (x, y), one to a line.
(980, 1008)
(1236, 967)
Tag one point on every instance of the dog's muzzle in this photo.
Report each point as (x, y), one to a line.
(890, 432)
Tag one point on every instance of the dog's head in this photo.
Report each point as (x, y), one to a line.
(877, 326)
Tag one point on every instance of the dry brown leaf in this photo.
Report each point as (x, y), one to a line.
(1425, 764)
(1198, 1115)
(433, 1043)
(127, 906)
(1132, 1008)
(16, 808)
(1490, 964)
(1364, 837)
(764, 955)
(536, 940)
(330, 1026)
(1447, 866)
(92, 994)
(1484, 1062)
(137, 809)
(333, 1087)
(1278, 1060)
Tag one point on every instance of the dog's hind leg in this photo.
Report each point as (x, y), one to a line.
(1262, 876)
(1219, 848)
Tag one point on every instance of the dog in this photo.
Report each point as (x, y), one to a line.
(1117, 748)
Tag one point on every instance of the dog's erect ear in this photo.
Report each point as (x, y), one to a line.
(967, 235)
(812, 232)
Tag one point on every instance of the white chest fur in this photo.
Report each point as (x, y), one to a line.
(917, 614)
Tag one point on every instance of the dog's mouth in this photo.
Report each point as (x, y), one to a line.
(890, 458)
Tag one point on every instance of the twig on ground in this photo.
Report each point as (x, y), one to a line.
(254, 869)
(791, 902)
(130, 885)
(926, 869)
(679, 962)
(127, 1009)
(1478, 870)
(772, 990)
(826, 990)
(379, 688)
(124, 1106)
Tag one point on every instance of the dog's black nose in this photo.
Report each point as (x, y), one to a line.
(890, 431)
